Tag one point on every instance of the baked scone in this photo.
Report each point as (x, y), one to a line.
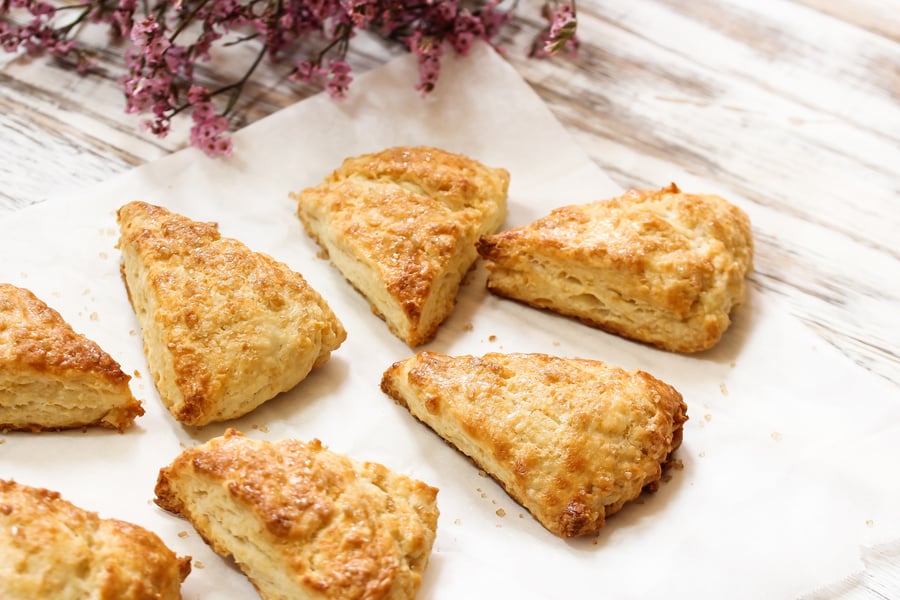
(52, 377)
(224, 328)
(661, 266)
(570, 439)
(302, 522)
(401, 226)
(50, 548)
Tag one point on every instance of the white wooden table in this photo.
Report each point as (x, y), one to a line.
(791, 105)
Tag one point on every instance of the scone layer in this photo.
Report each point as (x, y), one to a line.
(50, 548)
(572, 440)
(661, 266)
(224, 328)
(302, 522)
(52, 377)
(401, 226)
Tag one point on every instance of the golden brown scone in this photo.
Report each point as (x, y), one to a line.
(571, 440)
(224, 328)
(660, 266)
(304, 523)
(401, 226)
(50, 548)
(52, 377)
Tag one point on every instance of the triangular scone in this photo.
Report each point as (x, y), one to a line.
(224, 328)
(659, 266)
(401, 226)
(302, 522)
(571, 440)
(50, 548)
(52, 377)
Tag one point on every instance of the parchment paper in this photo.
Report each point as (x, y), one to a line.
(790, 455)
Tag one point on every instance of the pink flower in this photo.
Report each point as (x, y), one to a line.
(207, 135)
(561, 32)
(197, 94)
(171, 40)
(144, 30)
(339, 79)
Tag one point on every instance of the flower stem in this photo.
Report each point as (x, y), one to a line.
(238, 86)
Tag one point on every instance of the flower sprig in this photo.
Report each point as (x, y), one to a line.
(165, 41)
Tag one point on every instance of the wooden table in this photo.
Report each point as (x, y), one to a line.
(791, 106)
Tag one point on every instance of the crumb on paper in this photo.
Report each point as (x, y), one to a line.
(707, 417)
(322, 254)
(484, 495)
(501, 512)
(492, 338)
(104, 255)
(23, 275)
(2, 441)
(521, 515)
(677, 464)
(723, 388)
(776, 436)
(86, 291)
(870, 523)
(481, 473)
(94, 316)
(702, 453)
(556, 343)
(468, 327)
(493, 502)
(498, 526)
(198, 564)
(733, 364)
(132, 332)
(666, 478)
(457, 521)
(137, 374)
(182, 534)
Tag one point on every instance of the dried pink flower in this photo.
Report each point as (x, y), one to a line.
(169, 39)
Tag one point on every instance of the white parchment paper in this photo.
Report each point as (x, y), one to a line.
(790, 455)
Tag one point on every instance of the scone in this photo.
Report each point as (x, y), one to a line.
(661, 267)
(401, 226)
(302, 522)
(52, 377)
(571, 440)
(50, 548)
(224, 328)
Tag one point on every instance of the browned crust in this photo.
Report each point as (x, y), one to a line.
(44, 341)
(401, 225)
(37, 344)
(659, 266)
(330, 526)
(51, 548)
(571, 457)
(224, 328)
